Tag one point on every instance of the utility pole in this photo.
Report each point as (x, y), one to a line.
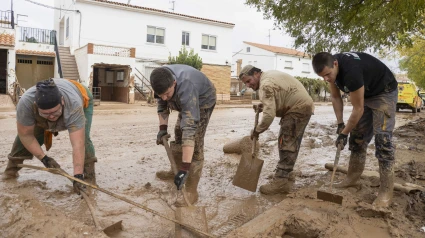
(173, 5)
(11, 10)
(269, 36)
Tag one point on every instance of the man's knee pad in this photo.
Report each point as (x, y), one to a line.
(356, 142)
(384, 147)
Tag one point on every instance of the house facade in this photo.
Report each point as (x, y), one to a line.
(27, 55)
(116, 46)
(267, 57)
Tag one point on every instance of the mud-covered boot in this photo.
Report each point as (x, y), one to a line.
(11, 171)
(280, 184)
(386, 176)
(355, 169)
(89, 169)
(191, 185)
(176, 149)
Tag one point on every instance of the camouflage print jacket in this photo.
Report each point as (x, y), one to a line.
(194, 91)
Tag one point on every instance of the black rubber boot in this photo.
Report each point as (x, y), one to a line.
(386, 177)
(355, 169)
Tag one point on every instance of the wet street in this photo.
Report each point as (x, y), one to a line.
(128, 158)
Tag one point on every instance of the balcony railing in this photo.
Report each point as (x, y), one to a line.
(112, 51)
(6, 19)
(35, 35)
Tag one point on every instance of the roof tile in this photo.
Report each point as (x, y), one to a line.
(157, 10)
(277, 49)
(7, 39)
(35, 52)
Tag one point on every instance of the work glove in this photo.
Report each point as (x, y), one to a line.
(49, 162)
(260, 107)
(254, 134)
(341, 141)
(162, 132)
(341, 127)
(79, 186)
(182, 175)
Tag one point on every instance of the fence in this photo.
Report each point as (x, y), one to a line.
(6, 19)
(35, 35)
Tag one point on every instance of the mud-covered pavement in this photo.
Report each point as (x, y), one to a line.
(39, 204)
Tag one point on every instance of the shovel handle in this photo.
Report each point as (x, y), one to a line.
(254, 141)
(169, 153)
(59, 172)
(338, 152)
(174, 166)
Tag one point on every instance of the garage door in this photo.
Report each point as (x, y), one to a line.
(31, 69)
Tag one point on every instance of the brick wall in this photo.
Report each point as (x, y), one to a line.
(220, 76)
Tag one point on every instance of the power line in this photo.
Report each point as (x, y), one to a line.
(47, 6)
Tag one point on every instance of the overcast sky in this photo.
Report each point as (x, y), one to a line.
(249, 24)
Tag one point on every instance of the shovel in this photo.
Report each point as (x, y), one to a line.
(190, 214)
(60, 172)
(250, 166)
(109, 230)
(329, 196)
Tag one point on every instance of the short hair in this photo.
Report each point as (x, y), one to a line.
(250, 72)
(161, 79)
(322, 59)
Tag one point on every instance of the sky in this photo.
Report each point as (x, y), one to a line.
(250, 24)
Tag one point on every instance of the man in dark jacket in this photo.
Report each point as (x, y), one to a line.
(188, 91)
(373, 94)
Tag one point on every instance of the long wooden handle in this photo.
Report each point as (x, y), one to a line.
(338, 152)
(174, 166)
(59, 172)
(92, 211)
(254, 141)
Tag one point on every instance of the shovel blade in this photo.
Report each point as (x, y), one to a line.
(329, 197)
(113, 229)
(248, 172)
(194, 216)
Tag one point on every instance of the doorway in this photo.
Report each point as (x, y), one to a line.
(3, 71)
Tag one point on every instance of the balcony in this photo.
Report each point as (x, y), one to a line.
(35, 35)
(6, 19)
(97, 49)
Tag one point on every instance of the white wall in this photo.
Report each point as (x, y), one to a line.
(267, 60)
(81, 58)
(11, 74)
(127, 27)
(262, 59)
(297, 66)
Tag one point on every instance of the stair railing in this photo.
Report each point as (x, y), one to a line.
(57, 53)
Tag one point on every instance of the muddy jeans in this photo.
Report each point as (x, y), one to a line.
(205, 114)
(378, 120)
(292, 127)
(20, 152)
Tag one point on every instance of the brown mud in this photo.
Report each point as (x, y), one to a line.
(39, 204)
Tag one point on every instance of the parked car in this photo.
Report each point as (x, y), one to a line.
(408, 97)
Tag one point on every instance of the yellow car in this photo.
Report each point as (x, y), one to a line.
(408, 97)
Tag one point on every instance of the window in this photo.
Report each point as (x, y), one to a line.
(67, 27)
(120, 76)
(155, 35)
(185, 38)
(24, 61)
(306, 68)
(248, 49)
(288, 65)
(209, 42)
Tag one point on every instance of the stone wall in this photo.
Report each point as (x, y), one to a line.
(220, 76)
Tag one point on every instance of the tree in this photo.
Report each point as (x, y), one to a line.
(188, 58)
(344, 25)
(414, 61)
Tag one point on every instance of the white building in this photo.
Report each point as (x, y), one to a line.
(116, 45)
(267, 57)
(26, 54)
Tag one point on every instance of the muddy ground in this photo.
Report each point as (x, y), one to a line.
(40, 204)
